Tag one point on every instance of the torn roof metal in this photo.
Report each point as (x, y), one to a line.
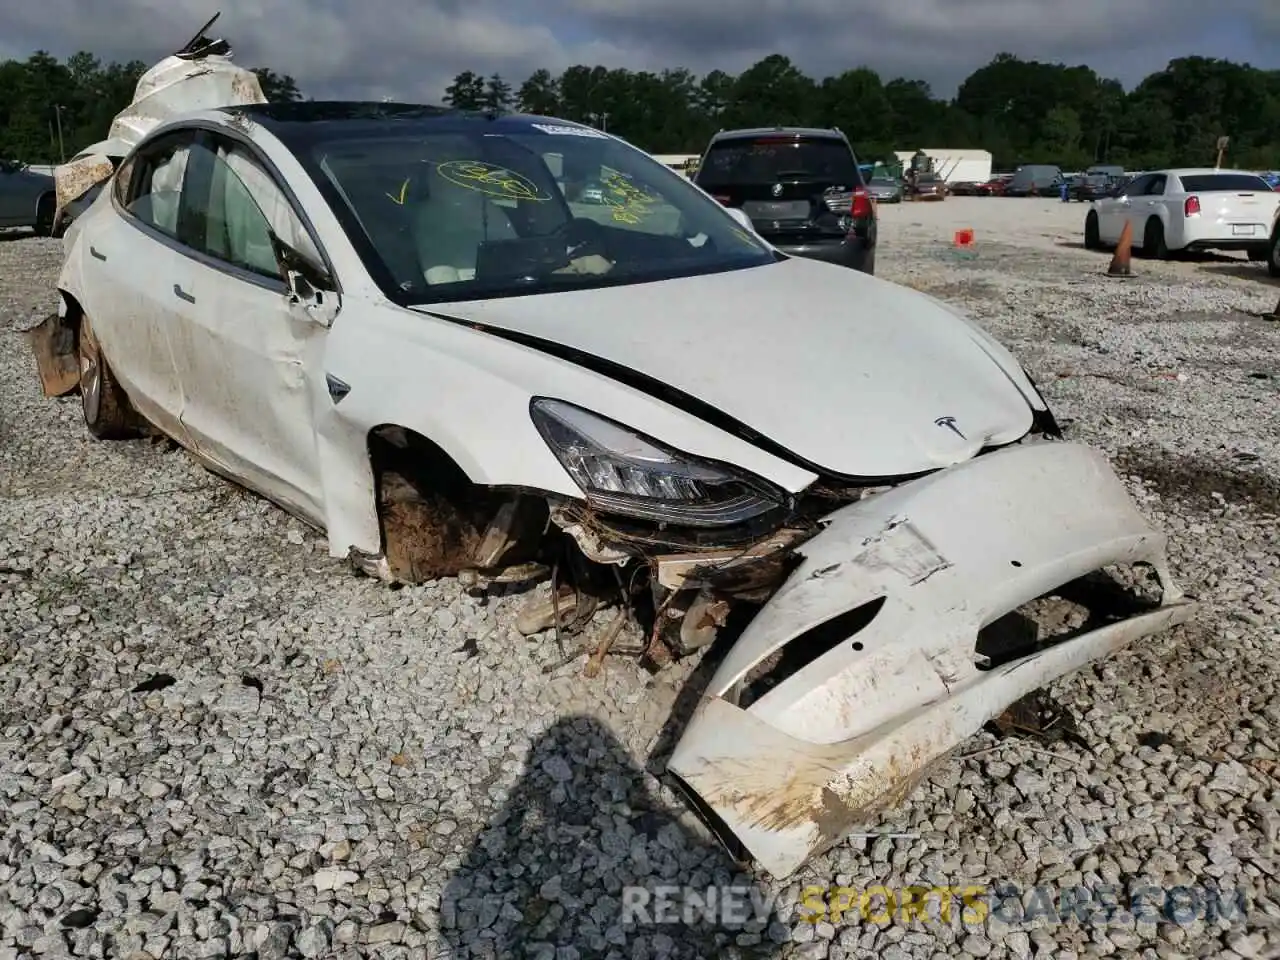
(200, 76)
(178, 85)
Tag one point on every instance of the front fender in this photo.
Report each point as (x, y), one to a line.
(468, 392)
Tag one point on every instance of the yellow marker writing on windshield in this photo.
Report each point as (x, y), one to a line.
(404, 188)
(630, 204)
(491, 180)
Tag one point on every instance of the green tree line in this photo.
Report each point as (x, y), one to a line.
(50, 107)
(1022, 111)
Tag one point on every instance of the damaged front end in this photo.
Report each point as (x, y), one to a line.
(908, 622)
(199, 76)
(887, 626)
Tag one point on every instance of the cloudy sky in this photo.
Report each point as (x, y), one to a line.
(411, 48)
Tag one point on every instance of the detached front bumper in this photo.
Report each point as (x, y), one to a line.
(895, 590)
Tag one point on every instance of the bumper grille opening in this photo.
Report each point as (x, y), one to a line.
(798, 653)
(1108, 595)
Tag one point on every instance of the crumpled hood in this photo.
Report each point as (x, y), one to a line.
(853, 375)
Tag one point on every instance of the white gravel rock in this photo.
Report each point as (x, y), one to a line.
(215, 740)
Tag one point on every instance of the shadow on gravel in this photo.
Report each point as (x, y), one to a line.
(1212, 262)
(1241, 271)
(1195, 479)
(583, 855)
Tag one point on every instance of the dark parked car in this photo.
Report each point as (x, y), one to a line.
(800, 186)
(928, 186)
(26, 197)
(1035, 180)
(1093, 186)
(886, 189)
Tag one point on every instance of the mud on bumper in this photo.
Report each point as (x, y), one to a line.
(903, 584)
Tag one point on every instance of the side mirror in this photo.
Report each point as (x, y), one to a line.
(310, 285)
(742, 219)
(304, 275)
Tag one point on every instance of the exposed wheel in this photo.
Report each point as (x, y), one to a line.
(1092, 234)
(105, 406)
(1153, 244)
(1273, 258)
(45, 210)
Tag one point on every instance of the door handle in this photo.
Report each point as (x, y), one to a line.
(182, 294)
(94, 250)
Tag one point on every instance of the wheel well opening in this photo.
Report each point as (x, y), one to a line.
(75, 312)
(435, 522)
(394, 449)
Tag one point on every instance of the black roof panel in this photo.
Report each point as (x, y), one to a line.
(308, 119)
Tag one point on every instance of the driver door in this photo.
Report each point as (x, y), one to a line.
(247, 355)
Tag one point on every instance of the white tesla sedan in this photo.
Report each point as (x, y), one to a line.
(397, 323)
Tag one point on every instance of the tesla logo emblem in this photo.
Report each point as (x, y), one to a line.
(777, 189)
(949, 423)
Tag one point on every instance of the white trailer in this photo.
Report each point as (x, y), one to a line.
(955, 165)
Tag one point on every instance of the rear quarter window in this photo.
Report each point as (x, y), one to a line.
(1223, 182)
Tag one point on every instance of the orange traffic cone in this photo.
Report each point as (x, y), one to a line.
(1120, 260)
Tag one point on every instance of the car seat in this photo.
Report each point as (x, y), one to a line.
(450, 228)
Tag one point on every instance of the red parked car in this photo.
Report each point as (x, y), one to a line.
(994, 187)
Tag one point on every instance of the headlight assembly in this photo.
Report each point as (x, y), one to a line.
(624, 472)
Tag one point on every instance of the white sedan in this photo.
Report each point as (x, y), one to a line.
(1273, 247)
(389, 320)
(1192, 210)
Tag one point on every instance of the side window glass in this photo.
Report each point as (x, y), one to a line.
(243, 209)
(155, 194)
(1137, 188)
(1156, 187)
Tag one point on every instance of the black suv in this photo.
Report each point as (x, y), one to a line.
(802, 189)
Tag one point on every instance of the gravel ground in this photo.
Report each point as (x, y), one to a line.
(216, 741)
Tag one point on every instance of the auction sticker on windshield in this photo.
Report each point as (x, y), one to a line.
(564, 130)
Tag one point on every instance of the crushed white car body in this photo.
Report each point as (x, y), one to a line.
(200, 76)
(401, 324)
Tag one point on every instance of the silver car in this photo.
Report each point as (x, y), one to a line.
(26, 197)
(886, 190)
